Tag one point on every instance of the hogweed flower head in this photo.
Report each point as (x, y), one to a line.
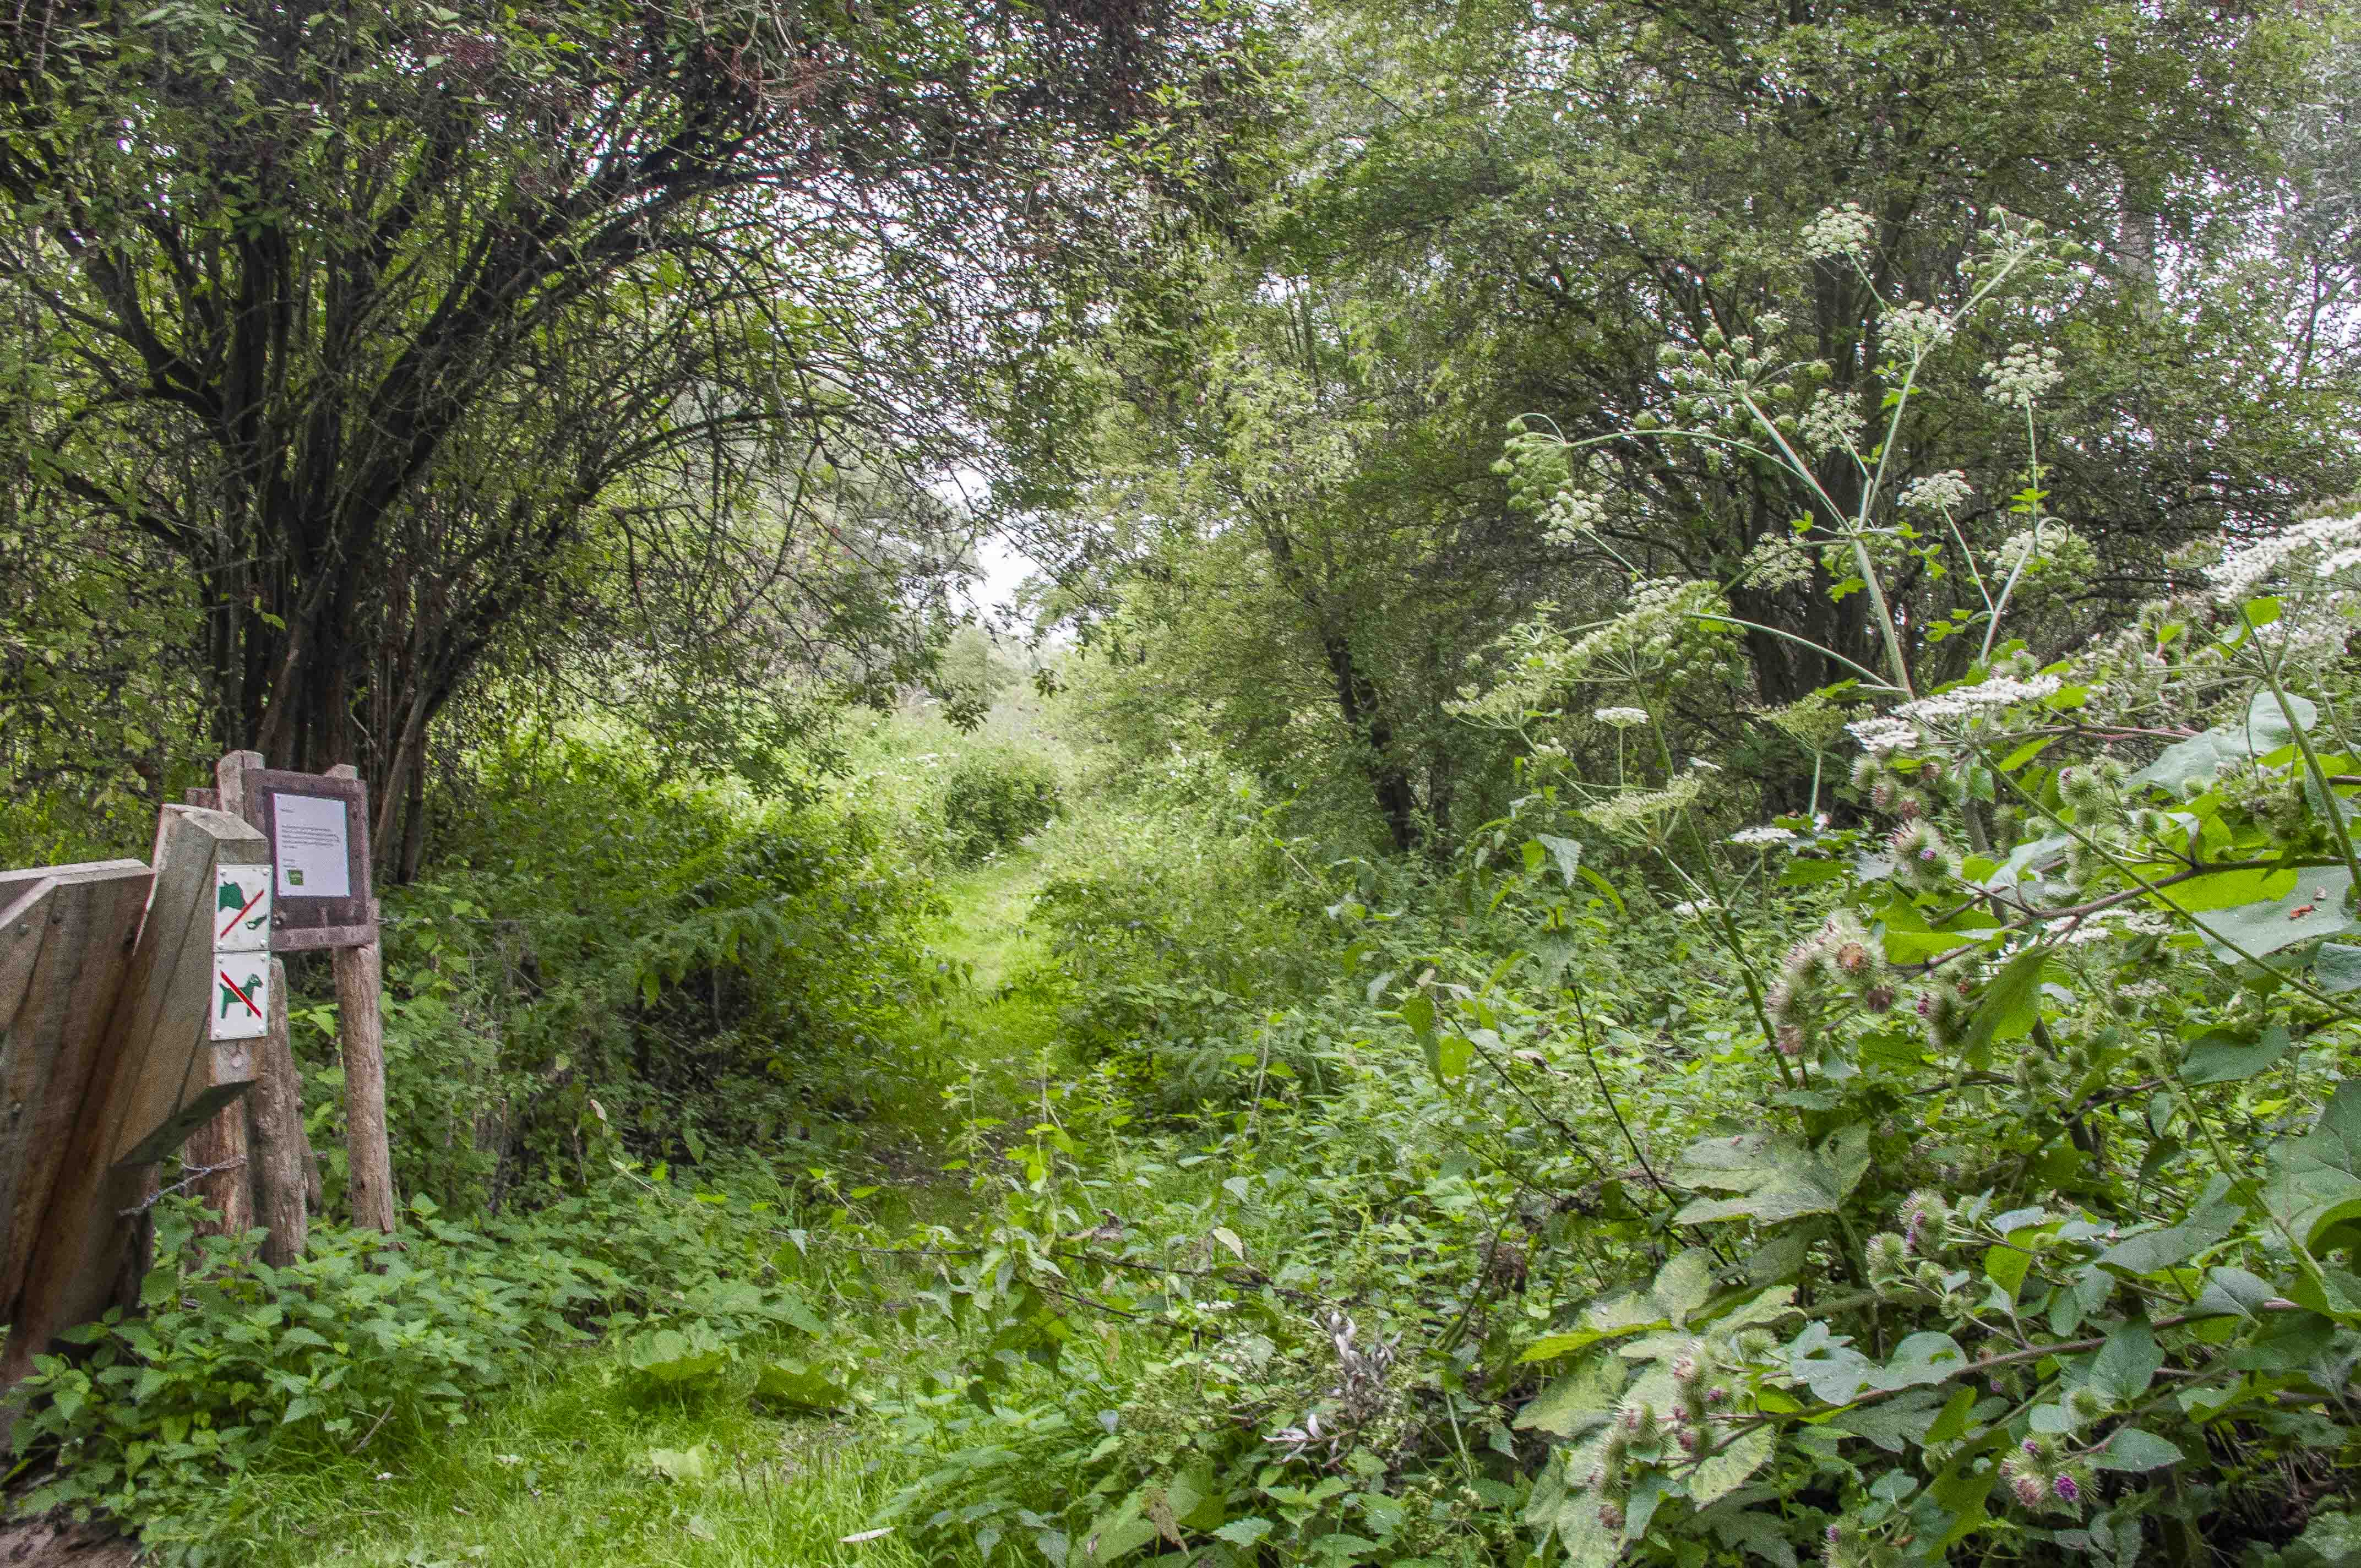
(1844, 231)
(1945, 492)
(2021, 376)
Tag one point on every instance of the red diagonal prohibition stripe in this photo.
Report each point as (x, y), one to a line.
(242, 996)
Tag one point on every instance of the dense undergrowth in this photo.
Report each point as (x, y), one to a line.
(1967, 1165)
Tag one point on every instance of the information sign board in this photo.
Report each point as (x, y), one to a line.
(318, 828)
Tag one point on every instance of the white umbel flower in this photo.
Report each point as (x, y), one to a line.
(1621, 717)
(1880, 736)
(1943, 492)
(1839, 231)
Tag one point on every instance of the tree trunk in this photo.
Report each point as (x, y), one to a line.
(368, 1187)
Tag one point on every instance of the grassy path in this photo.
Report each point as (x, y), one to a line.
(562, 1472)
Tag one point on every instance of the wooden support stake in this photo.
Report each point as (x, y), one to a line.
(218, 1148)
(278, 1150)
(369, 1171)
(283, 1178)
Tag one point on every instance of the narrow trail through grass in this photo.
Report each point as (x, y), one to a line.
(562, 1471)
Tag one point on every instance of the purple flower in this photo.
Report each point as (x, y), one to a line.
(2067, 1492)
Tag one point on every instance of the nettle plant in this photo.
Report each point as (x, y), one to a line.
(2044, 1240)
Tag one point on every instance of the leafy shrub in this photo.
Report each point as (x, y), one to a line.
(606, 955)
(994, 798)
(370, 1342)
(1971, 1169)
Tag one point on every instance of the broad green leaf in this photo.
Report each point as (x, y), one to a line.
(1774, 1179)
(2232, 1293)
(1566, 852)
(1578, 1401)
(789, 1381)
(1683, 1285)
(2264, 731)
(2006, 1265)
(2313, 907)
(1923, 1357)
(2336, 1537)
(682, 1463)
(2126, 1364)
(2336, 968)
(1550, 1347)
(1892, 1424)
(2316, 1186)
(2009, 1005)
(1759, 1533)
(1726, 1469)
(1246, 1531)
(1953, 1422)
(2152, 1251)
(2132, 1450)
(1448, 1054)
(2221, 1058)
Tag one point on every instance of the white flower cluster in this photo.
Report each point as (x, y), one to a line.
(1833, 421)
(1985, 697)
(1690, 908)
(1621, 717)
(1776, 561)
(1839, 231)
(1634, 810)
(2326, 545)
(1879, 737)
(1945, 492)
(2078, 930)
(1762, 837)
(1572, 515)
(1914, 330)
(2022, 376)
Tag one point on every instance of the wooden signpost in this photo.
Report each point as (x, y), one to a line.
(317, 825)
(138, 1007)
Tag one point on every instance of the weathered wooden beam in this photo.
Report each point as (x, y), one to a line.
(175, 1076)
(156, 1075)
(66, 934)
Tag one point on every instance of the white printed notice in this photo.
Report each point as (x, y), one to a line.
(313, 848)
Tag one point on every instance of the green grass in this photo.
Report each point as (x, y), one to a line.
(561, 1471)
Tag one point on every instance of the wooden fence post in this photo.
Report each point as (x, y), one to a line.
(368, 1168)
(281, 1173)
(279, 1151)
(360, 1031)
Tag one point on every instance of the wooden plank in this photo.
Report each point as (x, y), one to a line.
(81, 871)
(21, 926)
(72, 943)
(318, 939)
(153, 1059)
(176, 1076)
